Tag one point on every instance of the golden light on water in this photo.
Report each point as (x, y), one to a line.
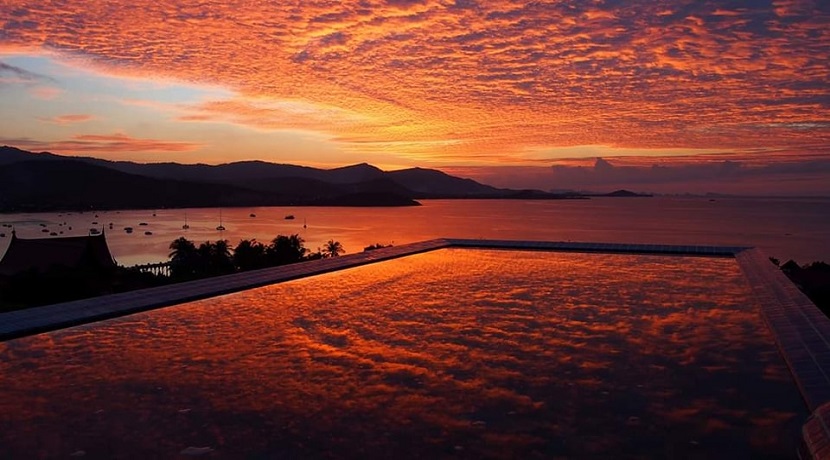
(482, 354)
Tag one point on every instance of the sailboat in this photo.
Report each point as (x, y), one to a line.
(220, 227)
(185, 226)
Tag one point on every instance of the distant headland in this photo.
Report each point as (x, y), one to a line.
(33, 182)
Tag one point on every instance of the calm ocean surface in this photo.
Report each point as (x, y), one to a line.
(786, 228)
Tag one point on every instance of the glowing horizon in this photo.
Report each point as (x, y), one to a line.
(463, 84)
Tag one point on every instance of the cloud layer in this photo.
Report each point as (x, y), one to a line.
(474, 80)
(67, 119)
(14, 74)
(103, 144)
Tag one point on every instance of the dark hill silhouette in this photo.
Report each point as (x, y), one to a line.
(378, 185)
(241, 171)
(70, 184)
(429, 183)
(362, 172)
(316, 191)
(622, 193)
(295, 187)
(241, 183)
(9, 155)
(260, 175)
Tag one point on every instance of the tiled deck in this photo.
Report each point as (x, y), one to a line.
(800, 329)
(614, 248)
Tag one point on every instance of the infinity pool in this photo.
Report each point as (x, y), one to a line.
(453, 353)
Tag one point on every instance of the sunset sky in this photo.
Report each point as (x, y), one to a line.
(728, 96)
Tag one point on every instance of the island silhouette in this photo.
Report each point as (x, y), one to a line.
(36, 182)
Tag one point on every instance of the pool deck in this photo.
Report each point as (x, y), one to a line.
(801, 331)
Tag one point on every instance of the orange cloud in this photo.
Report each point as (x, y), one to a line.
(67, 119)
(45, 92)
(104, 144)
(485, 81)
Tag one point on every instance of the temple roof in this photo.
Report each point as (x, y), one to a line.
(42, 253)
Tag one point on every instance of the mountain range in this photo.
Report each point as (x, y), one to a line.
(46, 181)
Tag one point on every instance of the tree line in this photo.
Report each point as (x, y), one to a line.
(212, 258)
(812, 279)
(188, 261)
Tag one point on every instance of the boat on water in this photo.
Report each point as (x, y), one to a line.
(148, 233)
(128, 229)
(220, 227)
(45, 230)
(251, 215)
(142, 224)
(2, 235)
(289, 217)
(94, 231)
(53, 233)
(185, 226)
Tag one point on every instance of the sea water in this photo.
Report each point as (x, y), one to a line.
(785, 228)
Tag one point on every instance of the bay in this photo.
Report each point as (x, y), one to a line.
(785, 228)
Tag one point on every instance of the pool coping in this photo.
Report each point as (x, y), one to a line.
(800, 329)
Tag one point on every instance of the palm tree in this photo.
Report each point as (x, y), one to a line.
(214, 258)
(220, 257)
(181, 248)
(249, 255)
(286, 249)
(332, 249)
(184, 258)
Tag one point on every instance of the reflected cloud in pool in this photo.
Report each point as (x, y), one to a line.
(453, 353)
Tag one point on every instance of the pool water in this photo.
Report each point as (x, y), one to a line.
(454, 353)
